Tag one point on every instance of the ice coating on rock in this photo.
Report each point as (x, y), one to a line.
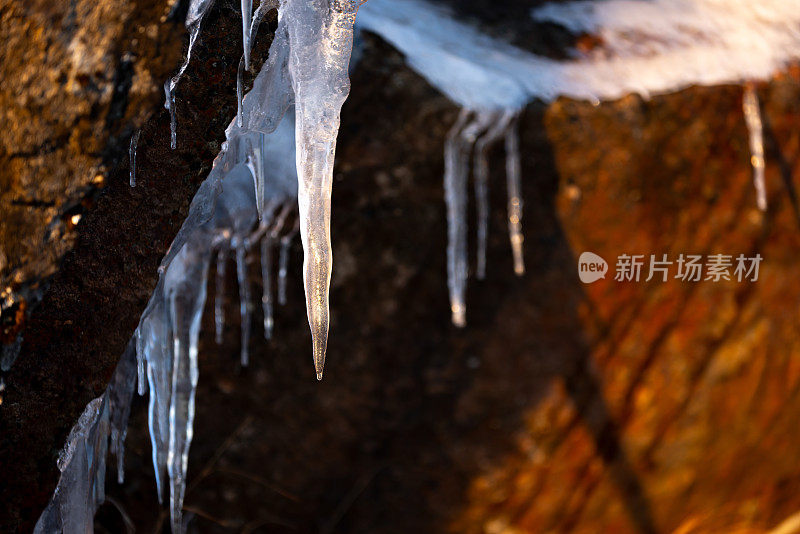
(755, 130)
(648, 47)
(81, 488)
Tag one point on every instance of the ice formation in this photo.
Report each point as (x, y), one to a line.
(270, 161)
(221, 224)
(132, 156)
(645, 47)
(244, 204)
(755, 129)
(82, 462)
(194, 19)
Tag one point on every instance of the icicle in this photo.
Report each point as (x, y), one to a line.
(755, 129)
(185, 301)
(320, 39)
(255, 162)
(120, 395)
(132, 156)
(155, 343)
(141, 366)
(81, 488)
(247, 12)
(169, 91)
(266, 277)
(458, 147)
(481, 170)
(455, 198)
(219, 299)
(194, 19)
(240, 93)
(283, 265)
(513, 178)
(263, 8)
(244, 299)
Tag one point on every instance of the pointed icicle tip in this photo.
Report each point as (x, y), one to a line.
(319, 342)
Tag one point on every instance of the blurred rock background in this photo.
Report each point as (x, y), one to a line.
(614, 407)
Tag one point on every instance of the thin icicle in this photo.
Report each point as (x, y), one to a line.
(141, 374)
(240, 92)
(185, 301)
(513, 178)
(194, 20)
(456, 200)
(495, 132)
(244, 299)
(255, 162)
(320, 39)
(120, 395)
(219, 298)
(264, 6)
(458, 148)
(755, 129)
(169, 92)
(266, 277)
(247, 17)
(132, 156)
(283, 267)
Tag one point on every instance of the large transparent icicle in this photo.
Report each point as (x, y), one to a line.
(755, 130)
(320, 39)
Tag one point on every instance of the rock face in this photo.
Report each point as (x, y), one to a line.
(562, 407)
